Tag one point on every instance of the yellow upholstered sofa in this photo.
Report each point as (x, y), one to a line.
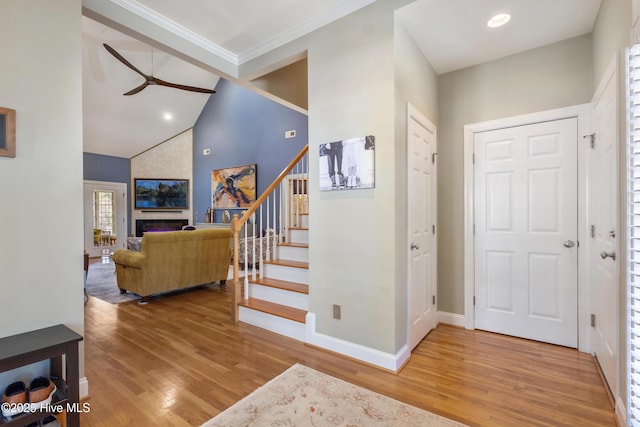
(174, 260)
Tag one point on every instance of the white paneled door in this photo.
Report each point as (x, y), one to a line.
(603, 212)
(526, 231)
(421, 149)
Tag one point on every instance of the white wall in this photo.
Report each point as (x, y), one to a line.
(553, 76)
(173, 159)
(41, 191)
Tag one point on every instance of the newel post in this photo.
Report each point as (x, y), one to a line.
(237, 293)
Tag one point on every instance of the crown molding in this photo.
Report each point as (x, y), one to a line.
(303, 28)
(155, 18)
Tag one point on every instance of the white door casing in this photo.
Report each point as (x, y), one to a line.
(422, 208)
(583, 114)
(604, 219)
(526, 231)
(120, 190)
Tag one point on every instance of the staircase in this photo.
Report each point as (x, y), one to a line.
(274, 292)
(278, 298)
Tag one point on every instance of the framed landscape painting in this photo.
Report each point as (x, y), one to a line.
(233, 187)
(161, 193)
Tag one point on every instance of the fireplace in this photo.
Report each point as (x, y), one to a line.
(148, 225)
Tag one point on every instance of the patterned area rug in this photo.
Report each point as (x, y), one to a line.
(301, 396)
(102, 284)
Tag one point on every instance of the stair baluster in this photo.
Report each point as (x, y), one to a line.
(269, 200)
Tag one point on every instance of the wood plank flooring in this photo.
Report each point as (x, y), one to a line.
(179, 361)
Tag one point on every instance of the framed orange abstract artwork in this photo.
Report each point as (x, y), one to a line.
(233, 187)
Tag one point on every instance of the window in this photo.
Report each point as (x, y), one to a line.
(633, 234)
(103, 216)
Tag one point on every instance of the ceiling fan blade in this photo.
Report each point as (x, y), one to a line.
(137, 89)
(120, 58)
(183, 87)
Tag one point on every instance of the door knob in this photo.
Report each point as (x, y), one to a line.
(605, 254)
(568, 243)
(414, 246)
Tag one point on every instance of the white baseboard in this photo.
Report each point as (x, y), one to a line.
(621, 412)
(392, 362)
(84, 387)
(451, 319)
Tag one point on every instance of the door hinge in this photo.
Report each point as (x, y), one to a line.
(434, 300)
(433, 157)
(474, 300)
(593, 231)
(433, 229)
(593, 320)
(592, 140)
(473, 158)
(474, 229)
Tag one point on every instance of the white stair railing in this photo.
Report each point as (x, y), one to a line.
(261, 227)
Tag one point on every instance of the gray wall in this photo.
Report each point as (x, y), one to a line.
(417, 83)
(553, 76)
(351, 94)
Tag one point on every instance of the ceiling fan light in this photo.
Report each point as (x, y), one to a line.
(498, 20)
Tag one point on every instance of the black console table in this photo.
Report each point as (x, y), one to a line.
(48, 343)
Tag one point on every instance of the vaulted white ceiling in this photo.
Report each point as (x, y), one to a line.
(451, 33)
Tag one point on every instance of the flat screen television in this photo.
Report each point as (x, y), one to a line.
(161, 194)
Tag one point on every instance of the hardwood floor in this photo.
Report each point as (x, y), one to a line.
(179, 361)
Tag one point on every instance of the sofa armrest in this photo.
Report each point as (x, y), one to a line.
(128, 258)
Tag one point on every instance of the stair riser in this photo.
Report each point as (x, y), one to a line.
(279, 296)
(303, 220)
(300, 221)
(293, 253)
(283, 272)
(273, 323)
(299, 236)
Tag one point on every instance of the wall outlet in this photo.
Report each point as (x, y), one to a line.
(206, 151)
(336, 311)
(290, 134)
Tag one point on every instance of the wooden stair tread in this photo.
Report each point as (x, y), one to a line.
(283, 311)
(289, 263)
(299, 228)
(281, 284)
(294, 245)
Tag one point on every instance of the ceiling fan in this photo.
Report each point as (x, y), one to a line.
(150, 79)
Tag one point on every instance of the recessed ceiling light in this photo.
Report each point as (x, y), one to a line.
(167, 116)
(498, 20)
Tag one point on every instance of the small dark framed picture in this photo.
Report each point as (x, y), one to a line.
(7, 132)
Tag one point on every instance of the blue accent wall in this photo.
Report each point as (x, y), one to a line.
(106, 168)
(97, 167)
(241, 127)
